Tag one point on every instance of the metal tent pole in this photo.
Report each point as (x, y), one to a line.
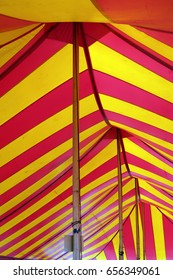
(120, 202)
(77, 255)
(137, 220)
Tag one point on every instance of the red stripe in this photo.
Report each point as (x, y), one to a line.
(153, 14)
(164, 37)
(150, 150)
(149, 235)
(112, 205)
(148, 166)
(36, 113)
(168, 233)
(102, 186)
(17, 189)
(162, 60)
(50, 186)
(47, 106)
(49, 144)
(151, 180)
(121, 46)
(133, 95)
(162, 149)
(110, 252)
(20, 56)
(141, 126)
(155, 198)
(129, 240)
(35, 152)
(85, 181)
(101, 238)
(34, 54)
(27, 233)
(9, 23)
(29, 181)
(108, 138)
(23, 185)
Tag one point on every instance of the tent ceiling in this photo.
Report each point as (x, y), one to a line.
(125, 83)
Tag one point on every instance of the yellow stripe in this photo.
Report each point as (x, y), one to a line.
(158, 233)
(107, 153)
(115, 242)
(166, 155)
(150, 175)
(101, 256)
(45, 129)
(23, 241)
(154, 202)
(54, 242)
(22, 216)
(36, 186)
(167, 213)
(136, 150)
(162, 188)
(8, 36)
(143, 135)
(141, 236)
(97, 236)
(147, 40)
(133, 225)
(132, 111)
(42, 202)
(45, 78)
(48, 157)
(92, 200)
(51, 247)
(51, 11)
(108, 61)
(7, 52)
(106, 240)
(101, 180)
(65, 185)
(39, 231)
(103, 216)
(146, 186)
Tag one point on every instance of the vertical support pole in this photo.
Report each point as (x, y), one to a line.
(76, 157)
(121, 252)
(143, 228)
(137, 220)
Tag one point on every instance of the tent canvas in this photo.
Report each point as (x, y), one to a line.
(125, 86)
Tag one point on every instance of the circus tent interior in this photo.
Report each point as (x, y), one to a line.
(86, 127)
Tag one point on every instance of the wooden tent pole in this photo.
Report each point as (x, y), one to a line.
(137, 220)
(120, 202)
(77, 255)
(143, 227)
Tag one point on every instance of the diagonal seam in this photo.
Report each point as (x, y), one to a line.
(115, 234)
(91, 74)
(124, 155)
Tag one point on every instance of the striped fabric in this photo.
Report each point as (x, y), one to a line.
(125, 83)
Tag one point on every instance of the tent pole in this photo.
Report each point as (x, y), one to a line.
(143, 228)
(120, 202)
(137, 220)
(76, 157)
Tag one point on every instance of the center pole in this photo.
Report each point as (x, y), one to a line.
(137, 219)
(120, 197)
(77, 255)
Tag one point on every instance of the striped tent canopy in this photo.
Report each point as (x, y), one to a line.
(126, 113)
